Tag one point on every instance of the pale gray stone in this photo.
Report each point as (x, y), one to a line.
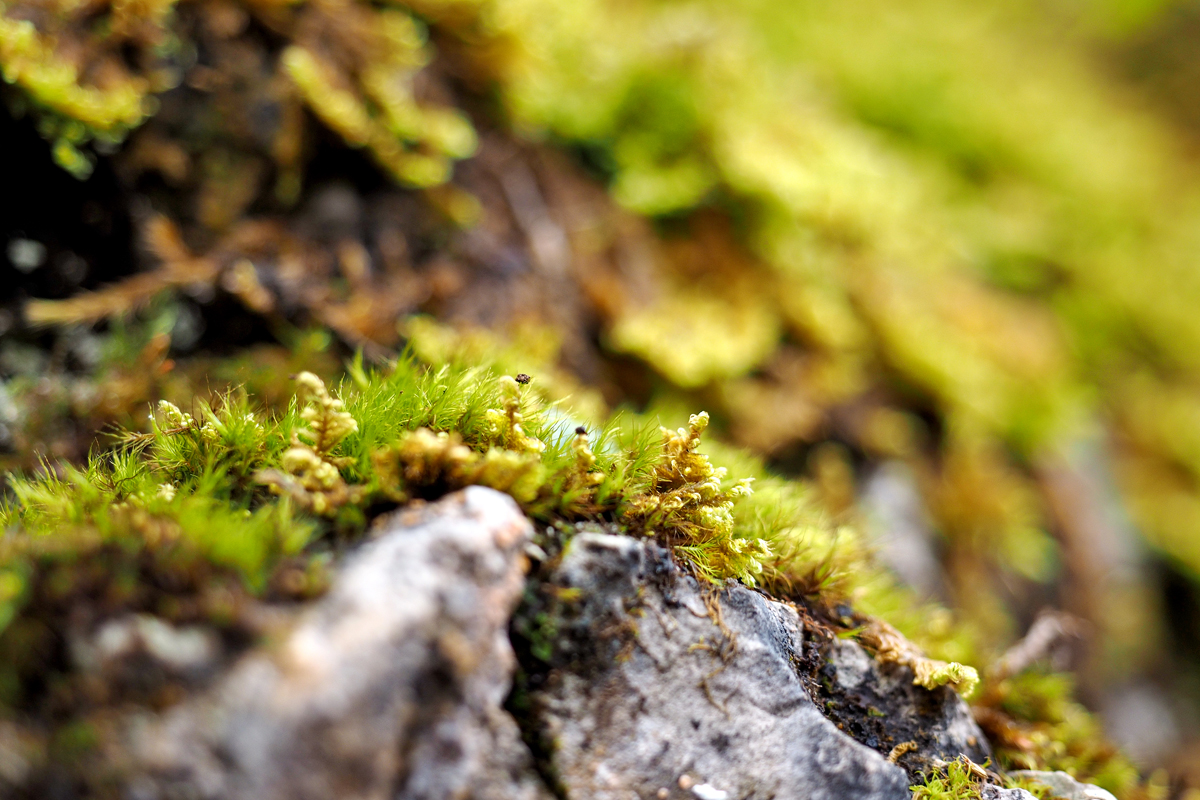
(990, 792)
(391, 686)
(182, 650)
(1064, 786)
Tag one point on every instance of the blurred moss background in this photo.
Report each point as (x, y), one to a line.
(940, 257)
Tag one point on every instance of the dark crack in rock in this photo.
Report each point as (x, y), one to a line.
(650, 697)
(389, 687)
(878, 705)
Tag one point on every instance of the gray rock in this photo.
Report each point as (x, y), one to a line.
(650, 697)
(991, 792)
(1064, 786)
(389, 687)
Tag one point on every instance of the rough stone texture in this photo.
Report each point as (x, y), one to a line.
(648, 697)
(879, 706)
(1065, 787)
(390, 687)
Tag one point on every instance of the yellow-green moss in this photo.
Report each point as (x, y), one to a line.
(224, 488)
(890, 647)
(950, 204)
(352, 64)
(374, 107)
(958, 780)
(51, 70)
(925, 218)
(907, 215)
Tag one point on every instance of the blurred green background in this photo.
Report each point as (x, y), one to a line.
(939, 257)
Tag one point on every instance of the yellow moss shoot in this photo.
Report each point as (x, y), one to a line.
(689, 504)
(374, 105)
(328, 422)
(30, 60)
(424, 459)
(172, 418)
(890, 647)
(310, 475)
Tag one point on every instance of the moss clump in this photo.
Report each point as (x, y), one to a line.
(81, 90)
(690, 501)
(914, 244)
(360, 82)
(903, 243)
(308, 472)
(961, 780)
(958, 780)
(224, 494)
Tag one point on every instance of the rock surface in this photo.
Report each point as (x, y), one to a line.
(389, 687)
(663, 688)
(636, 681)
(990, 792)
(1064, 787)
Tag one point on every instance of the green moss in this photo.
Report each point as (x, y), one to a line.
(226, 495)
(958, 780)
(907, 241)
(71, 110)
(945, 205)
(72, 70)
(938, 218)
(1034, 723)
(889, 646)
(377, 109)
(226, 488)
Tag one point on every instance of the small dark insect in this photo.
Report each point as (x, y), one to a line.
(581, 431)
(522, 378)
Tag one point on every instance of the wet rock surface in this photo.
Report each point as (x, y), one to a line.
(389, 687)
